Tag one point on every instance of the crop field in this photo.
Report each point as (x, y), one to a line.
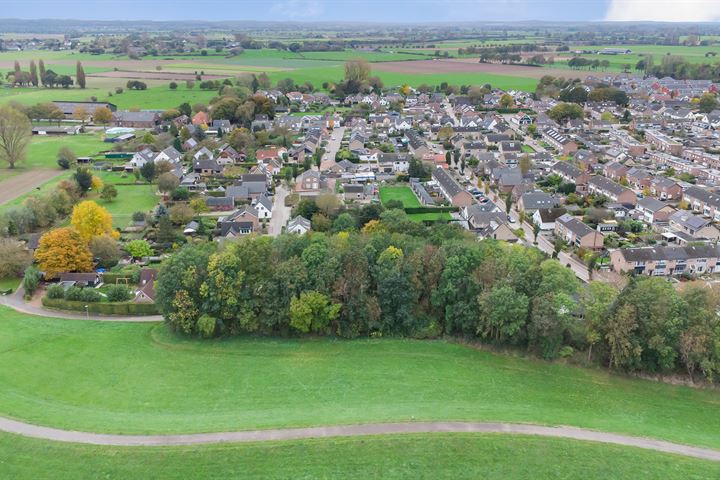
(423, 457)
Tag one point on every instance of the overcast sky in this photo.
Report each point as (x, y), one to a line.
(366, 10)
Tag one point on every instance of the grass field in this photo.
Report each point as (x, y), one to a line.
(130, 199)
(439, 456)
(430, 217)
(138, 378)
(9, 283)
(404, 194)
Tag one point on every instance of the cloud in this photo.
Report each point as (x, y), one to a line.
(298, 9)
(663, 10)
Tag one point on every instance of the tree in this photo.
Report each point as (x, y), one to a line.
(105, 250)
(525, 164)
(80, 75)
(96, 183)
(80, 113)
(15, 258)
(90, 220)
(563, 112)
(181, 214)
(31, 280)
(173, 86)
(357, 71)
(313, 311)
(708, 102)
(108, 192)
(118, 293)
(506, 101)
(165, 231)
(63, 250)
(83, 177)
(33, 74)
(102, 115)
(148, 171)
(41, 71)
(503, 313)
(138, 248)
(167, 182)
(15, 134)
(66, 158)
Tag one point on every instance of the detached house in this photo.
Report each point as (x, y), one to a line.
(577, 233)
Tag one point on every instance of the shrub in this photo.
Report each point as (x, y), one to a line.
(74, 294)
(31, 281)
(90, 295)
(138, 216)
(104, 308)
(118, 293)
(206, 326)
(56, 292)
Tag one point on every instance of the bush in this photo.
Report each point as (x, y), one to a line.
(102, 308)
(74, 294)
(118, 293)
(138, 216)
(31, 281)
(56, 292)
(206, 326)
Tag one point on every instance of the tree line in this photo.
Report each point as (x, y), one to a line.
(391, 276)
(37, 75)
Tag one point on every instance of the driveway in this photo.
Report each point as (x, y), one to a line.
(280, 213)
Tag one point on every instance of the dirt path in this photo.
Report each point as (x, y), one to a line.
(16, 185)
(46, 433)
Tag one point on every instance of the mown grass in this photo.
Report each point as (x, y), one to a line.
(130, 199)
(139, 378)
(433, 456)
(404, 194)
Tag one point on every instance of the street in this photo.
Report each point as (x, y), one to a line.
(280, 213)
(333, 144)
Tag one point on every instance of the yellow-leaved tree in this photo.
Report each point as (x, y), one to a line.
(63, 250)
(91, 220)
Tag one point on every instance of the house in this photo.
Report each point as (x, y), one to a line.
(244, 214)
(299, 225)
(451, 189)
(264, 206)
(50, 130)
(653, 210)
(207, 167)
(663, 142)
(530, 202)
(665, 188)
(92, 279)
(570, 173)
(141, 119)
(221, 204)
(146, 292)
(354, 191)
(577, 233)
(692, 225)
(703, 201)
(599, 185)
(489, 224)
(667, 261)
(310, 183)
(545, 217)
(615, 171)
(191, 228)
(417, 144)
(248, 187)
(559, 141)
(235, 229)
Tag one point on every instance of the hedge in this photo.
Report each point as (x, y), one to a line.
(102, 308)
(410, 210)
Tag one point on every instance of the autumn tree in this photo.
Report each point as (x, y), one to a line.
(167, 182)
(80, 113)
(181, 214)
(105, 250)
(15, 258)
(63, 250)
(80, 75)
(102, 115)
(90, 220)
(15, 134)
(33, 74)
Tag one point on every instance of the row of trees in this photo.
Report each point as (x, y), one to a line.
(392, 278)
(37, 76)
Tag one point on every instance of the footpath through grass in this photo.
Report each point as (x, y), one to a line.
(138, 378)
(433, 456)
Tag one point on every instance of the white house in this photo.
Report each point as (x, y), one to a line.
(264, 206)
(299, 225)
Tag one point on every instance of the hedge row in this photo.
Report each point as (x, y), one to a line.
(410, 210)
(122, 308)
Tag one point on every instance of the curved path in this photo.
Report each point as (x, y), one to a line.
(16, 302)
(47, 433)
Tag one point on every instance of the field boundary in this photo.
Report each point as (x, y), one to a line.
(46, 433)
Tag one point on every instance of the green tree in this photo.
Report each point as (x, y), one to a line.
(148, 171)
(503, 312)
(15, 133)
(708, 102)
(313, 312)
(80, 75)
(139, 248)
(108, 192)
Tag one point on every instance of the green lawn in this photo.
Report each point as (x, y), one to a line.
(433, 217)
(527, 149)
(9, 283)
(138, 378)
(130, 199)
(404, 194)
(437, 456)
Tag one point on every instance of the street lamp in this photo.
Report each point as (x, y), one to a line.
(87, 312)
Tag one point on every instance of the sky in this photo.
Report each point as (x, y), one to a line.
(367, 10)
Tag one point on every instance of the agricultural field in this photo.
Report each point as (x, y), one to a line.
(618, 62)
(435, 456)
(105, 377)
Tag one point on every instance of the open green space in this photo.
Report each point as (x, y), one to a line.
(404, 194)
(430, 217)
(130, 199)
(139, 378)
(9, 283)
(435, 456)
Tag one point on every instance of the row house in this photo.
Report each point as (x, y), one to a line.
(615, 171)
(599, 185)
(653, 210)
(663, 142)
(680, 165)
(561, 142)
(667, 261)
(451, 189)
(629, 143)
(703, 201)
(690, 227)
(700, 156)
(665, 188)
(570, 173)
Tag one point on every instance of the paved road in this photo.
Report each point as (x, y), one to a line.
(35, 431)
(16, 302)
(333, 144)
(280, 213)
(25, 182)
